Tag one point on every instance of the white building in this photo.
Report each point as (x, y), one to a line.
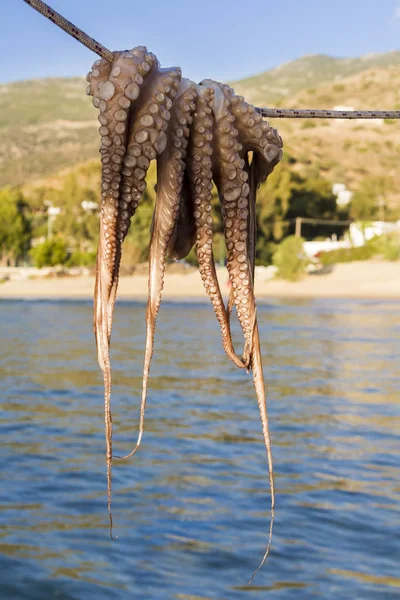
(358, 234)
(343, 195)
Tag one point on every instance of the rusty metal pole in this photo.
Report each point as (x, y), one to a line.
(298, 227)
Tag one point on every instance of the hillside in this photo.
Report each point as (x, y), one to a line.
(349, 151)
(50, 125)
(310, 71)
(45, 125)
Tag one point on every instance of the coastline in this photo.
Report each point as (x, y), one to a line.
(369, 279)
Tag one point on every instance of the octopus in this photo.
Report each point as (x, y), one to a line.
(201, 135)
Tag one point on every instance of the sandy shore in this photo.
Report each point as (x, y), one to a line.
(372, 279)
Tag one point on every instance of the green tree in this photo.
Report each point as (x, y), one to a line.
(290, 259)
(136, 245)
(313, 198)
(139, 233)
(286, 195)
(15, 230)
(50, 254)
(78, 227)
(273, 201)
(369, 202)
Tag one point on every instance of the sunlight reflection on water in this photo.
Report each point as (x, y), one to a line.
(191, 511)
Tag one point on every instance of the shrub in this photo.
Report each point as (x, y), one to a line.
(191, 258)
(389, 246)
(50, 253)
(15, 227)
(346, 255)
(392, 251)
(308, 124)
(81, 259)
(369, 250)
(132, 256)
(290, 259)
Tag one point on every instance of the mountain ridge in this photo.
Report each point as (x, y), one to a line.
(274, 85)
(47, 125)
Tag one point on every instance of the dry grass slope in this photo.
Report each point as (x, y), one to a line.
(45, 125)
(278, 85)
(50, 125)
(349, 151)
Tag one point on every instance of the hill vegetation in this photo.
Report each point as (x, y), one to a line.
(45, 125)
(49, 150)
(285, 81)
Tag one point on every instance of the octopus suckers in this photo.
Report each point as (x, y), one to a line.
(132, 91)
(141, 136)
(146, 120)
(199, 135)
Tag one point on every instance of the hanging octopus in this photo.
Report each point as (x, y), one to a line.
(199, 135)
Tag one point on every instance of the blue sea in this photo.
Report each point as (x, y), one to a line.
(191, 509)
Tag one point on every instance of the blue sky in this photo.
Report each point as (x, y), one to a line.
(222, 39)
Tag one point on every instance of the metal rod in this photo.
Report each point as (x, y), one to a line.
(323, 221)
(298, 227)
(294, 113)
(272, 113)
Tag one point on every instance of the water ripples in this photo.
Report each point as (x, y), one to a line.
(192, 509)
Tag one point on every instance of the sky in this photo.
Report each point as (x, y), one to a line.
(219, 39)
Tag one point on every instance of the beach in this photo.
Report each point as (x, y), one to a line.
(369, 279)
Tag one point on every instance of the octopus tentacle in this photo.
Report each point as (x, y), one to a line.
(170, 169)
(264, 141)
(239, 217)
(251, 242)
(141, 64)
(200, 174)
(184, 235)
(113, 97)
(147, 139)
(254, 353)
(231, 179)
(256, 135)
(149, 116)
(143, 115)
(259, 385)
(107, 84)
